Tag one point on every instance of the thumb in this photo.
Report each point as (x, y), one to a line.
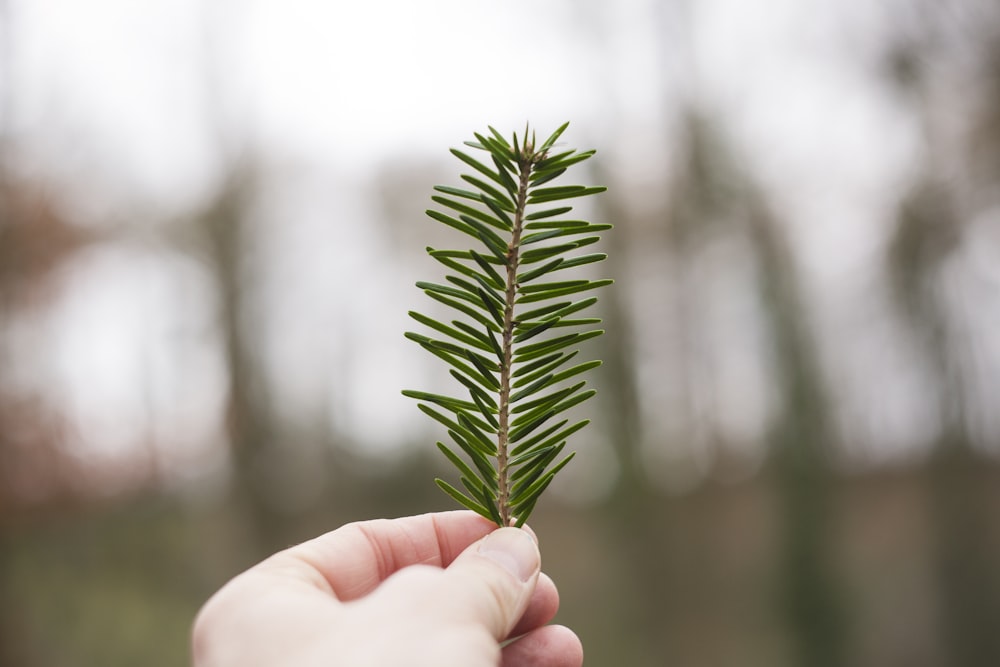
(489, 584)
(495, 578)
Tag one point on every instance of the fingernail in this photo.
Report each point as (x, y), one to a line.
(512, 549)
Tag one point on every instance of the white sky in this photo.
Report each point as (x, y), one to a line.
(149, 85)
(130, 103)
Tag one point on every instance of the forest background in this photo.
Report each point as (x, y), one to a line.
(211, 219)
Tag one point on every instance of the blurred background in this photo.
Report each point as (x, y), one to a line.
(211, 220)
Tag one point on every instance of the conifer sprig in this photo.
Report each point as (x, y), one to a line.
(509, 348)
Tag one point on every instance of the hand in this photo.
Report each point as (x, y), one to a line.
(437, 590)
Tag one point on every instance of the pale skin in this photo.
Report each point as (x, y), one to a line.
(436, 590)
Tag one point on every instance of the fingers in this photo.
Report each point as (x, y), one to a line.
(549, 646)
(541, 609)
(354, 559)
(483, 585)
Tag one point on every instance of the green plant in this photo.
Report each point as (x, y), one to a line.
(510, 348)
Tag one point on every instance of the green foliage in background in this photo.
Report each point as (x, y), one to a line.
(517, 323)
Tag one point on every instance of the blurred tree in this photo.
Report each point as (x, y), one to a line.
(709, 197)
(713, 196)
(961, 138)
(630, 516)
(37, 475)
(801, 446)
(227, 238)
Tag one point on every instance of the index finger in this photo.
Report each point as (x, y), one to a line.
(355, 558)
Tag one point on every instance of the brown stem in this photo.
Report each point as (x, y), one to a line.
(503, 488)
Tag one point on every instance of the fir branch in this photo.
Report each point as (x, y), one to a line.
(510, 358)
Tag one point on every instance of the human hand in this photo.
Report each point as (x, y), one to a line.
(441, 590)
